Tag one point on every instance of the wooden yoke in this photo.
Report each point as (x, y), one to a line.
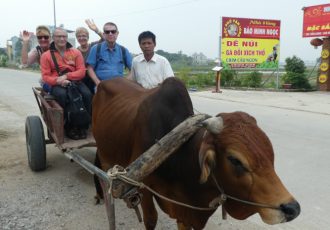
(157, 154)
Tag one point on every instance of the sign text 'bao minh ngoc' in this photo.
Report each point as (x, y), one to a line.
(250, 43)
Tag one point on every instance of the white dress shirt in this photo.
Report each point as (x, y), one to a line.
(151, 73)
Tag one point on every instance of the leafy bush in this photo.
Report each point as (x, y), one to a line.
(199, 80)
(205, 79)
(297, 80)
(183, 74)
(253, 79)
(294, 65)
(227, 77)
(3, 61)
(295, 73)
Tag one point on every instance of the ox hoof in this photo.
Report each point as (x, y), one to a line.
(98, 200)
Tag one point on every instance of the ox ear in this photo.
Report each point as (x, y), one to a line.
(214, 124)
(206, 157)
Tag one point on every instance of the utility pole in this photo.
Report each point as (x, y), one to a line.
(54, 14)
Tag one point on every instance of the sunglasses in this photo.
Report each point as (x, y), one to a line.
(110, 31)
(43, 37)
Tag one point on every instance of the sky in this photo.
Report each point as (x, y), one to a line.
(180, 25)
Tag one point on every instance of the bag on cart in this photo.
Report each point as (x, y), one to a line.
(77, 114)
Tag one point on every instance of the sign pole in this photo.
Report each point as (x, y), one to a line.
(217, 69)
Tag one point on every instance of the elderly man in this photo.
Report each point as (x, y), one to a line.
(149, 69)
(108, 59)
(61, 65)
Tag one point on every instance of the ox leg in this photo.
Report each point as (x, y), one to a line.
(150, 214)
(181, 226)
(109, 205)
(99, 192)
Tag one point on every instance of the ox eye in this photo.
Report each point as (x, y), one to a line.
(239, 167)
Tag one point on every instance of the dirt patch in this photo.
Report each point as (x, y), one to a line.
(3, 135)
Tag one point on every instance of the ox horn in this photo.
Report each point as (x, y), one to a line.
(214, 125)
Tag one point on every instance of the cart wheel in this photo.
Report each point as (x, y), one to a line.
(35, 143)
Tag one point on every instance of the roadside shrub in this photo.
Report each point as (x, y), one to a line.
(183, 75)
(297, 80)
(253, 79)
(227, 77)
(205, 79)
(199, 80)
(294, 65)
(295, 74)
(3, 61)
(270, 84)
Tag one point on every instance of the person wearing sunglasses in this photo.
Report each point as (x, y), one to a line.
(149, 69)
(108, 59)
(82, 36)
(32, 57)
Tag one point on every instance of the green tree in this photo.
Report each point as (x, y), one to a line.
(295, 65)
(295, 73)
(176, 59)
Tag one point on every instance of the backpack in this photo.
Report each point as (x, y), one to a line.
(39, 51)
(77, 114)
(123, 54)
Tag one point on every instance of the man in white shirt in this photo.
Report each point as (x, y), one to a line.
(149, 69)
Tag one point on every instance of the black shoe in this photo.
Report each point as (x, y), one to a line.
(82, 134)
(73, 134)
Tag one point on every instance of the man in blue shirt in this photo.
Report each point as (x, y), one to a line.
(108, 59)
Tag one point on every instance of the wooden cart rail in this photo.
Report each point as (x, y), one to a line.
(52, 114)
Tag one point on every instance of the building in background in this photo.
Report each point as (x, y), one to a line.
(16, 47)
(199, 59)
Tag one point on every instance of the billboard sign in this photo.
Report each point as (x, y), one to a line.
(316, 21)
(250, 43)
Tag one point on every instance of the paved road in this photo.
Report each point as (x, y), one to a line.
(298, 125)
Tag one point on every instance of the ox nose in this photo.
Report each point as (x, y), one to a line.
(291, 210)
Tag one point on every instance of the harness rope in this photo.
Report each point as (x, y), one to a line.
(118, 173)
(114, 173)
(225, 196)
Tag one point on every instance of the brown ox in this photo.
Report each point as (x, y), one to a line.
(128, 119)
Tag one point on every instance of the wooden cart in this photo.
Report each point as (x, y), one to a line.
(52, 115)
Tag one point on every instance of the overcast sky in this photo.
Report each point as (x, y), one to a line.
(189, 26)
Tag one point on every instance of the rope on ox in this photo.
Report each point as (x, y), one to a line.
(117, 172)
